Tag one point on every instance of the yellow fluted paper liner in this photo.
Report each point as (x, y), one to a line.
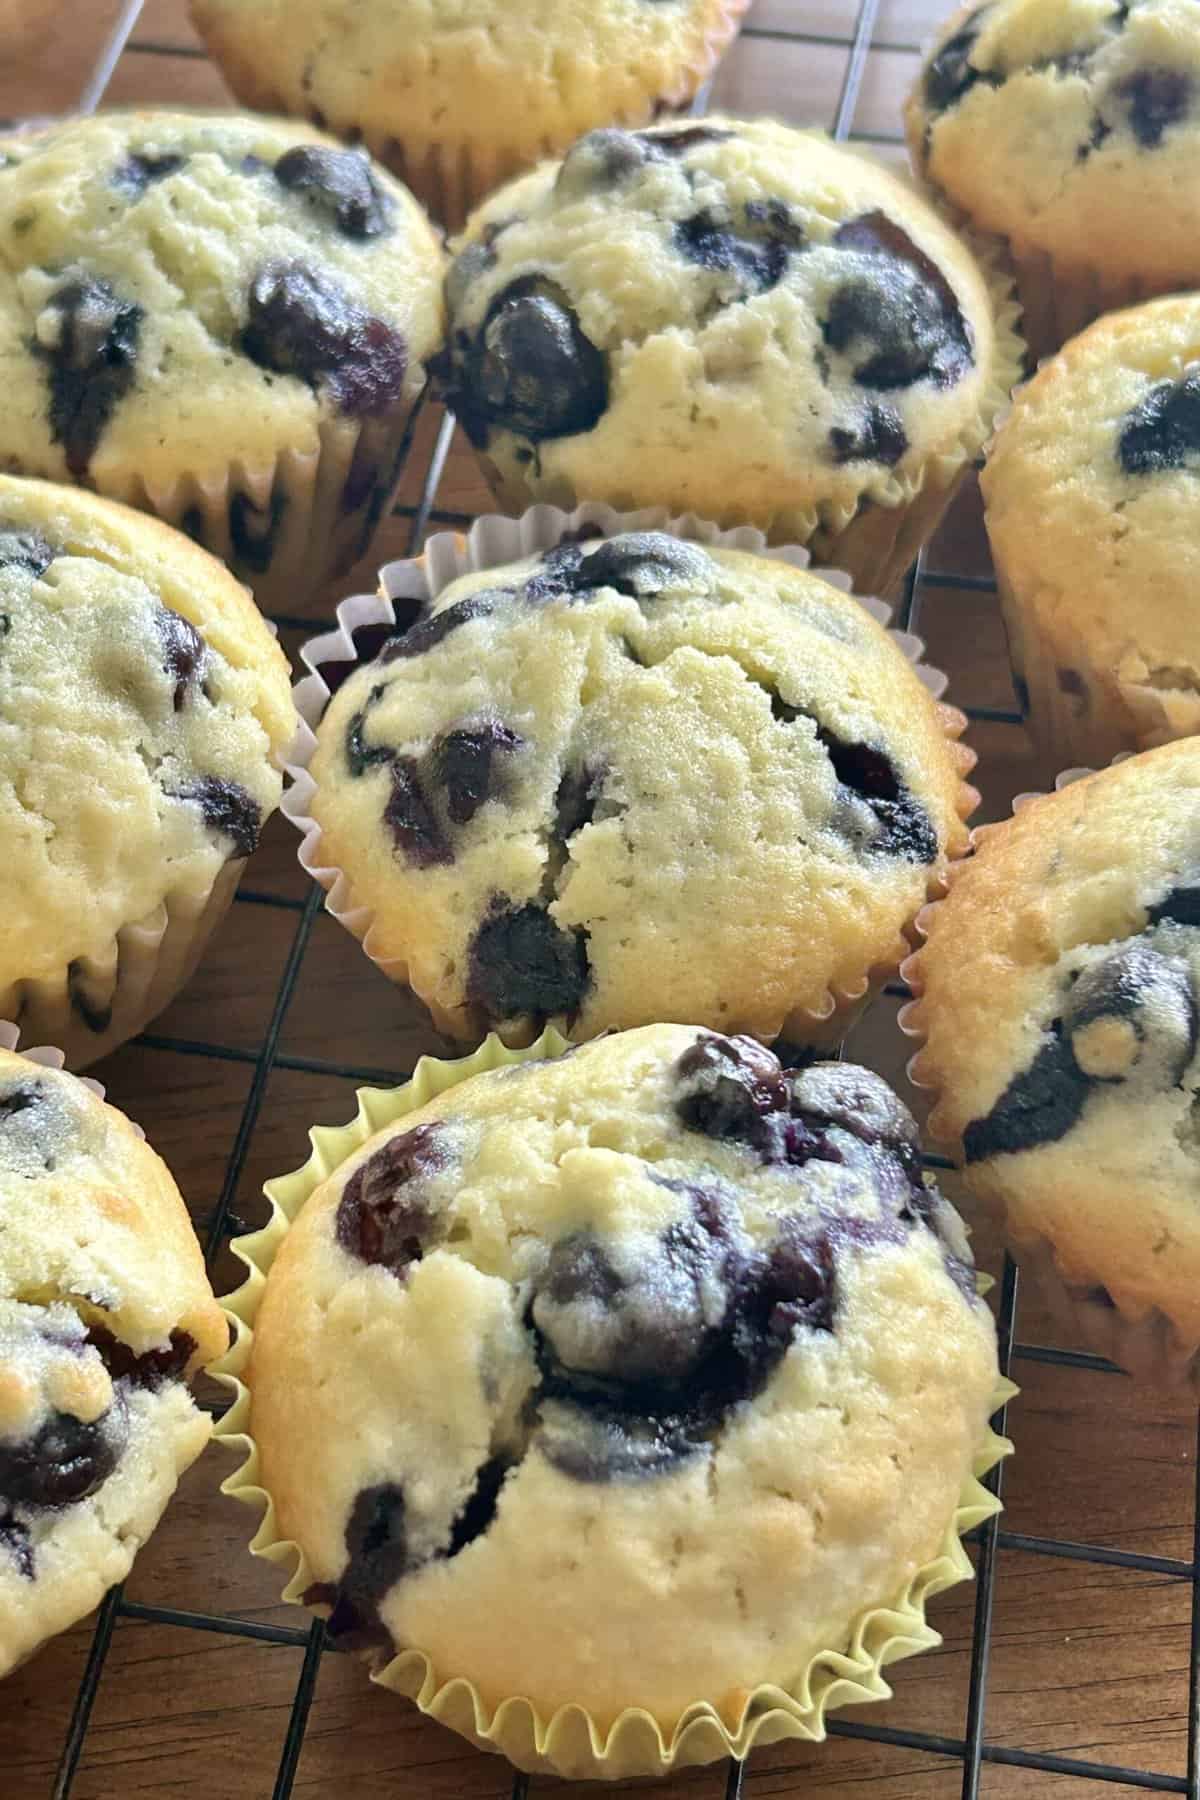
(1146, 1343)
(491, 542)
(570, 1742)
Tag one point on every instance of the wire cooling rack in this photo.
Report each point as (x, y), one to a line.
(972, 1750)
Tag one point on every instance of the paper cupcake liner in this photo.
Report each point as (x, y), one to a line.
(570, 1742)
(1144, 1340)
(290, 527)
(494, 541)
(1076, 710)
(96, 1003)
(874, 539)
(1058, 299)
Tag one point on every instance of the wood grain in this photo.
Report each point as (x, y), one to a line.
(1088, 1661)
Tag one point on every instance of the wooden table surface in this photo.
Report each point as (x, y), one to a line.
(1089, 1658)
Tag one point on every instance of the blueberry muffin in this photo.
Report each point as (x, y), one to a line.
(222, 320)
(1093, 492)
(639, 1378)
(1071, 129)
(458, 95)
(733, 319)
(633, 779)
(1059, 1011)
(105, 1313)
(144, 712)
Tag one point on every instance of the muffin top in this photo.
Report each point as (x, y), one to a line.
(731, 317)
(517, 76)
(185, 291)
(1093, 491)
(1059, 1004)
(660, 1299)
(1072, 127)
(144, 709)
(634, 779)
(104, 1313)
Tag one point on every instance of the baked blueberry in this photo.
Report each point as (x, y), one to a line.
(185, 655)
(464, 765)
(522, 963)
(226, 809)
(340, 185)
(904, 306)
(643, 563)
(27, 551)
(1180, 906)
(432, 629)
(1155, 100)
(950, 73)
(733, 1088)
(714, 244)
(1163, 430)
(877, 436)
(1130, 1017)
(876, 809)
(305, 324)
(532, 370)
(409, 817)
(67, 1460)
(87, 336)
(141, 169)
(384, 1216)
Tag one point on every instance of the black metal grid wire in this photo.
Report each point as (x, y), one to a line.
(972, 1750)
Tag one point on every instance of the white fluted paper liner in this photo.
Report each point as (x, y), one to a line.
(48, 1056)
(493, 541)
(140, 971)
(1148, 1344)
(570, 1742)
